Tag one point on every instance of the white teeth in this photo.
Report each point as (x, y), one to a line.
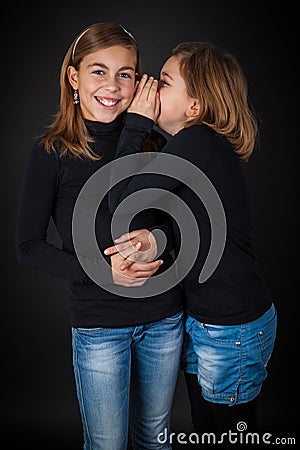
(108, 102)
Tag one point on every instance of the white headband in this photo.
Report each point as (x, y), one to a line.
(132, 37)
(76, 42)
(80, 36)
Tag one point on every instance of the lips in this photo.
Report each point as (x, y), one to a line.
(108, 102)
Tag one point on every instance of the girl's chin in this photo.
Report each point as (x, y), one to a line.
(107, 116)
(170, 128)
(163, 126)
(160, 123)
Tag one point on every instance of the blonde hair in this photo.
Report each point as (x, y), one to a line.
(215, 78)
(68, 132)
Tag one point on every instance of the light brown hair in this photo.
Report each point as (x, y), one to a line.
(215, 78)
(68, 132)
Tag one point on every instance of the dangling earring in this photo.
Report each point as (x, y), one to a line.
(76, 97)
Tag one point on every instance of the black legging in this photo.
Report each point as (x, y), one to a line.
(216, 417)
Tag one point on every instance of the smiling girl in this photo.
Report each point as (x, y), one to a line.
(122, 348)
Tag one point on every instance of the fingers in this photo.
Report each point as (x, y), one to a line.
(130, 241)
(140, 266)
(145, 99)
(139, 279)
(111, 250)
(125, 280)
(157, 105)
(127, 263)
(129, 278)
(126, 249)
(136, 86)
(126, 236)
(150, 89)
(145, 274)
(135, 274)
(147, 86)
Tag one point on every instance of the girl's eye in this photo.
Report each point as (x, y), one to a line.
(125, 75)
(163, 83)
(120, 75)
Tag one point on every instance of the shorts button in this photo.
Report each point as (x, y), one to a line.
(232, 398)
(261, 333)
(237, 343)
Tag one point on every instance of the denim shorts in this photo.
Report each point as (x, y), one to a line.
(229, 360)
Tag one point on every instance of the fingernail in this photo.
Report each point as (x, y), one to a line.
(106, 252)
(122, 267)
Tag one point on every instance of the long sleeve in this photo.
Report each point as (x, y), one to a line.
(36, 202)
(137, 130)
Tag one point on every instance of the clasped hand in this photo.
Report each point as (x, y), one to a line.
(132, 258)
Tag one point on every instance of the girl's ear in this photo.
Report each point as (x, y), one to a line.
(73, 77)
(194, 109)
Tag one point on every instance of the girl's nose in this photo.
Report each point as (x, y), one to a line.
(111, 84)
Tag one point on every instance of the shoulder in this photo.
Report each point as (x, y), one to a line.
(196, 133)
(203, 138)
(39, 159)
(39, 152)
(193, 143)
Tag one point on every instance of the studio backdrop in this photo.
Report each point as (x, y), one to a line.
(40, 408)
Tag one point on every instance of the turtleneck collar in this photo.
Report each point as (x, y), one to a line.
(100, 128)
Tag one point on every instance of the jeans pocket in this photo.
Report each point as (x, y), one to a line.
(266, 337)
(224, 335)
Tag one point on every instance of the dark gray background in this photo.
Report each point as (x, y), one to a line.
(40, 406)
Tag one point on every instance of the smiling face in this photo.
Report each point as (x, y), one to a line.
(176, 107)
(105, 82)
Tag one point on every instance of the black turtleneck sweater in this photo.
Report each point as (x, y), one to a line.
(235, 292)
(50, 187)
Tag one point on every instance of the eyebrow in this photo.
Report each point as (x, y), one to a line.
(165, 74)
(104, 66)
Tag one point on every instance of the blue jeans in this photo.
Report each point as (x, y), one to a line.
(127, 375)
(229, 360)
